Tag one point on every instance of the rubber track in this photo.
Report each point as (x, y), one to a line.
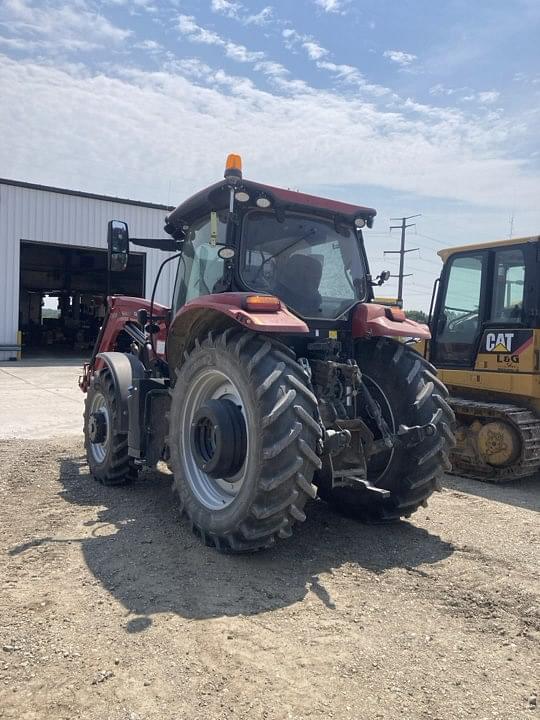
(521, 419)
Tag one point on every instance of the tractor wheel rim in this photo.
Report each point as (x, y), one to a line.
(99, 405)
(377, 465)
(213, 493)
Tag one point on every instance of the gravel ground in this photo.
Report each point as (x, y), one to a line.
(111, 610)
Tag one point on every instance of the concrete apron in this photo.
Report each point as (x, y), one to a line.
(40, 399)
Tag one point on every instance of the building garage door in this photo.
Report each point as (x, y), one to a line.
(62, 295)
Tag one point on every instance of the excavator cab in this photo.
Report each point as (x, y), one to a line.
(485, 342)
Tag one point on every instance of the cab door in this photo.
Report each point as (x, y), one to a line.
(460, 311)
(201, 268)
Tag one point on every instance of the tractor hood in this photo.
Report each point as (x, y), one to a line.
(216, 197)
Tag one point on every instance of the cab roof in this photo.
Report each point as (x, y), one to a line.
(448, 252)
(216, 197)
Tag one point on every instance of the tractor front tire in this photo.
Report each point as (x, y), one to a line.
(106, 448)
(408, 392)
(269, 444)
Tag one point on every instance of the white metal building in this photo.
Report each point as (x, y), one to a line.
(41, 225)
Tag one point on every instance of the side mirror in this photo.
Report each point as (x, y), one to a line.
(118, 245)
(382, 278)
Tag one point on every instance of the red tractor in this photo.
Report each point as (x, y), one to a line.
(272, 378)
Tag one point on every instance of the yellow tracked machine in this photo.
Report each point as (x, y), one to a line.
(485, 323)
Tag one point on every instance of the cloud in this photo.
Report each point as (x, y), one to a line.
(314, 50)
(29, 46)
(241, 54)
(260, 18)
(238, 11)
(90, 118)
(146, 5)
(56, 25)
(485, 97)
(188, 67)
(151, 45)
(226, 7)
(439, 89)
(523, 77)
(271, 68)
(330, 6)
(488, 96)
(466, 94)
(196, 33)
(403, 59)
(345, 73)
(307, 42)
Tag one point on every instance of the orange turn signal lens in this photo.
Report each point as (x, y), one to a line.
(263, 303)
(395, 314)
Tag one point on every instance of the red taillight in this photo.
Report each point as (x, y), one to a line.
(395, 314)
(262, 303)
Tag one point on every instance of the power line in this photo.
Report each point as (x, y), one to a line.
(435, 240)
(401, 252)
(412, 260)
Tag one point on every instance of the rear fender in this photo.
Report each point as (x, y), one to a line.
(218, 312)
(123, 368)
(373, 320)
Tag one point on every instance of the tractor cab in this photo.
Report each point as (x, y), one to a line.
(248, 237)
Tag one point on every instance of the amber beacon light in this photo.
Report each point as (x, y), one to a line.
(233, 166)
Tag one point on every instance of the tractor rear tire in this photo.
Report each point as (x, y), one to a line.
(408, 392)
(261, 499)
(108, 460)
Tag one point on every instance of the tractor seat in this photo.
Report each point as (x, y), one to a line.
(298, 283)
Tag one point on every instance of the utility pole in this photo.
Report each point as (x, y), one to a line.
(401, 252)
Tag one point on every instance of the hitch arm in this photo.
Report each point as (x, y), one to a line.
(374, 411)
(412, 436)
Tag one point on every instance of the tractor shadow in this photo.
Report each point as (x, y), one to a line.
(147, 558)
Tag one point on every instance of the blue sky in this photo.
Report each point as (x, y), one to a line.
(409, 107)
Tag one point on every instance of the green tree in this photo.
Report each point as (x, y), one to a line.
(418, 315)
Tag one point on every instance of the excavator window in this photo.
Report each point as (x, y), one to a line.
(508, 286)
(459, 321)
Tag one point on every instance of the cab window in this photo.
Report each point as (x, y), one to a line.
(459, 322)
(508, 286)
(462, 302)
(200, 268)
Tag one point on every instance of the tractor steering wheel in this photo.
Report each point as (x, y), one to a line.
(266, 273)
